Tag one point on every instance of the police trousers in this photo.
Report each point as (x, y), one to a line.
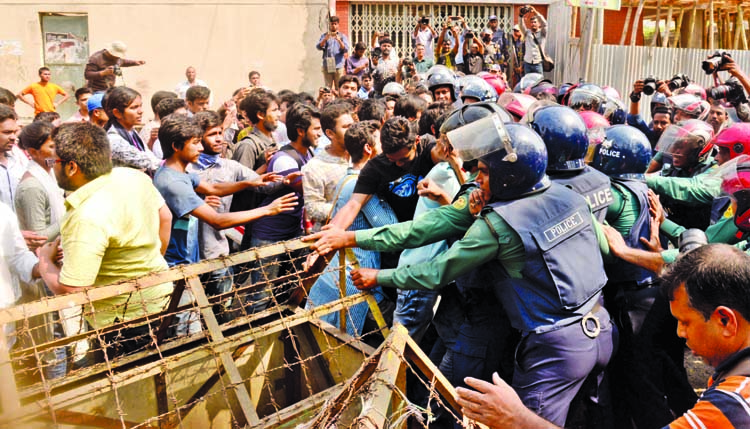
(551, 367)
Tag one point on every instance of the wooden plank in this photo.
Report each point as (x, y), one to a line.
(150, 369)
(381, 407)
(150, 280)
(678, 30)
(665, 36)
(321, 374)
(65, 417)
(625, 27)
(174, 302)
(417, 357)
(377, 315)
(342, 288)
(162, 400)
(297, 411)
(636, 20)
(233, 373)
(743, 37)
(711, 43)
(657, 31)
(692, 24)
(10, 401)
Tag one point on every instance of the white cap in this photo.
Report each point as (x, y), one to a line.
(117, 49)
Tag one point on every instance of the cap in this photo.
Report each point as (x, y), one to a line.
(95, 101)
(495, 67)
(517, 27)
(493, 18)
(117, 49)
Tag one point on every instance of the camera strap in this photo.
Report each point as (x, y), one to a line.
(541, 50)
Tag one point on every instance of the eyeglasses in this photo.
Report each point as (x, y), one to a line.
(50, 162)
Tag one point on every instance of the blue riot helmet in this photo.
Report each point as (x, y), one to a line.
(565, 135)
(625, 153)
(469, 113)
(516, 159)
(588, 97)
(442, 78)
(563, 93)
(477, 88)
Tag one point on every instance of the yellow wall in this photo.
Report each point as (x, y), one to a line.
(224, 40)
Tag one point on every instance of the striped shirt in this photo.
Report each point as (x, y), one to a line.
(726, 403)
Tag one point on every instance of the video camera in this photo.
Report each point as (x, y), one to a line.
(716, 62)
(731, 90)
(470, 34)
(525, 9)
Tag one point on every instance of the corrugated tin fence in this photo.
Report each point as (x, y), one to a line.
(620, 66)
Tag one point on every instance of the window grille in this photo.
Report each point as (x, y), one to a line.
(398, 19)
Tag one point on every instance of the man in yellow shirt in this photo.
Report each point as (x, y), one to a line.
(43, 93)
(116, 228)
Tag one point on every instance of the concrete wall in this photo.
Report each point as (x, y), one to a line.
(223, 39)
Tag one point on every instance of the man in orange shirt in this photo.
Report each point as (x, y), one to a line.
(44, 93)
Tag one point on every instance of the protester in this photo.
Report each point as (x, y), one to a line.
(82, 97)
(97, 115)
(191, 81)
(12, 164)
(125, 110)
(115, 228)
(198, 99)
(322, 173)
(105, 65)
(516, 54)
(43, 93)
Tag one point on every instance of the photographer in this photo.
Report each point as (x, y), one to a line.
(426, 35)
(493, 53)
(104, 66)
(733, 89)
(335, 46)
(407, 73)
(473, 51)
(660, 114)
(534, 27)
(447, 54)
(384, 67)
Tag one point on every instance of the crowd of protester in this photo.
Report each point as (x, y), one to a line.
(540, 217)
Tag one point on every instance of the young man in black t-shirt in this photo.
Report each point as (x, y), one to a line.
(393, 174)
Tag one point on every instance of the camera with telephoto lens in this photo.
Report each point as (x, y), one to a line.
(678, 81)
(470, 34)
(731, 90)
(407, 62)
(525, 9)
(425, 20)
(117, 70)
(376, 53)
(649, 85)
(715, 62)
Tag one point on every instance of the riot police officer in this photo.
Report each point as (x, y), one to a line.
(649, 382)
(533, 231)
(566, 137)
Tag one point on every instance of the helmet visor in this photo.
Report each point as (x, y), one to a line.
(675, 140)
(584, 99)
(734, 175)
(479, 138)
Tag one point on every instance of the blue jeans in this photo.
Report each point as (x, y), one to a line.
(414, 310)
(532, 68)
(266, 270)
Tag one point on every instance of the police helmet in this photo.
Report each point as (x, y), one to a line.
(394, 89)
(469, 113)
(442, 78)
(587, 97)
(565, 135)
(624, 153)
(477, 88)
